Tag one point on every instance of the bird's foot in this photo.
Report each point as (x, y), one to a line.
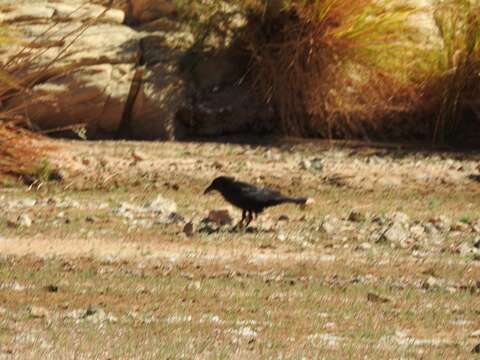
(238, 226)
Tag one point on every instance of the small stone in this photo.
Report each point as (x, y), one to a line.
(331, 224)
(467, 249)
(162, 205)
(378, 219)
(376, 298)
(219, 217)
(138, 156)
(390, 182)
(142, 290)
(27, 203)
(476, 333)
(217, 165)
(305, 164)
(51, 288)
(38, 312)
(12, 222)
(365, 246)
(355, 216)
(175, 218)
(476, 243)
(196, 285)
(451, 289)
(397, 233)
(433, 233)
(460, 226)
(56, 175)
(443, 223)
(91, 219)
(188, 229)
(400, 217)
(267, 224)
(282, 237)
(97, 315)
(431, 282)
(24, 220)
(417, 231)
(90, 311)
(476, 226)
(317, 164)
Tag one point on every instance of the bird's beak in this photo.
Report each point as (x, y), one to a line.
(208, 189)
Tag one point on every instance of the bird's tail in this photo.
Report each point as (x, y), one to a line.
(294, 200)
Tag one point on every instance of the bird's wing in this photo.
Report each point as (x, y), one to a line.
(262, 195)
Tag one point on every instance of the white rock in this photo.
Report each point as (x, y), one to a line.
(282, 237)
(365, 246)
(24, 220)
(331, 224)
(417, 231)
(476, 333)
(38, 312)
(397, 233)
(162, 205)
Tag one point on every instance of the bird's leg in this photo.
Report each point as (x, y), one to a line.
(249, 218)
(240, 223)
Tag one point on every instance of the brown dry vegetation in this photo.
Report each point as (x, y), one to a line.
(362, 69)
(20, 151)
(326, 70)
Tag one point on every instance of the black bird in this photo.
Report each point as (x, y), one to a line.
(251, 199)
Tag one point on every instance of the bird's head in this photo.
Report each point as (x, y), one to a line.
(218, 184)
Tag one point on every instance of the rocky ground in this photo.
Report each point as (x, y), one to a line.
(121, 256)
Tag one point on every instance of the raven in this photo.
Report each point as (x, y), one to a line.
(251, 199)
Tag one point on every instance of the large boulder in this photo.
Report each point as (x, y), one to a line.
(143, 11)
(92, 70)
(160, 98)
(94, 96)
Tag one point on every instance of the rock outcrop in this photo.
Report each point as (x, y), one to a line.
(115, 72)
(91, 60)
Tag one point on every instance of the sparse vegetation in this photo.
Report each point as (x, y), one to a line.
(357, 69)
(313, 284)
(458, 69)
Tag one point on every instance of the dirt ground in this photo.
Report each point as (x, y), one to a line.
(118, 261)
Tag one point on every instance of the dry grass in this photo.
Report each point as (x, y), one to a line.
(233, 294)
(361, 69)
(335, 69)
(20, 151)
(458, 69)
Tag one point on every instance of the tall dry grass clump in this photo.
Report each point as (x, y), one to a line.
(18, 153)
(455, 84)
(335, 68)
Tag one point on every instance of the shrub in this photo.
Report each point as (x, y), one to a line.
(359, 68)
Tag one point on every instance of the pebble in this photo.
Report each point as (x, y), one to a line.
(24, 220)
(38, 312)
